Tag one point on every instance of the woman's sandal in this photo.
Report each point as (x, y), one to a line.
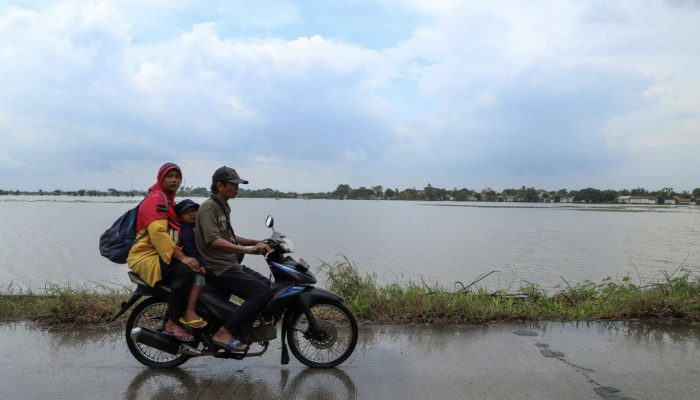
(193, 323)
(180, 337)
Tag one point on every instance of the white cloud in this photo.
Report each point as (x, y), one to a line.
(476, 91)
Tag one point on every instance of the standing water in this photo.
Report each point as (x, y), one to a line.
(54, 239)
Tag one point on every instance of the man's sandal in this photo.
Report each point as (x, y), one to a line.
(234, 346)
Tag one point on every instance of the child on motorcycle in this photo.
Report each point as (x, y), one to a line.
(187, 213)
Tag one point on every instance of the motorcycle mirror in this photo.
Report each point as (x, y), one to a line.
(269, 221)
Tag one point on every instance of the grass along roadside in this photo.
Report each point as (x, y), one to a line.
(58, 305)
(677, 296)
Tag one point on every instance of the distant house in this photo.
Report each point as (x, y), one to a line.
(670, 202)
(683, 200)
(510, 199)
(566, 199)
(636, 200)
(623, 199)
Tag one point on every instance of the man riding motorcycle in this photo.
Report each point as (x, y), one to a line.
(222, 250)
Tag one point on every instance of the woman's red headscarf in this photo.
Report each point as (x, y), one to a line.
(153, 206)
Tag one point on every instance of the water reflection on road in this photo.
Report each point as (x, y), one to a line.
(539, 360)
(327, 384)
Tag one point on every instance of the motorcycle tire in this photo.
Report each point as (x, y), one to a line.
(152, 314)
(335, 343)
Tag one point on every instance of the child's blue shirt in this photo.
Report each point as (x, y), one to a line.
(187, 241)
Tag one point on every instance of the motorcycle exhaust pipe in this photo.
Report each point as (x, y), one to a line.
(155, 339)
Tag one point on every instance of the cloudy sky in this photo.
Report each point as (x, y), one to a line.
(307, 95)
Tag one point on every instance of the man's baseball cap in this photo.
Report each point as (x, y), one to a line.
(184, 205)
(226, 174)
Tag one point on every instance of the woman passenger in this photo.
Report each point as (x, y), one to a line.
(155, 256)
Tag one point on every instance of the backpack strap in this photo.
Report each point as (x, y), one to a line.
(145, 231)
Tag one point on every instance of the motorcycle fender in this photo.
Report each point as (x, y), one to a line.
(312, 294)
(309, 297)
(126, 305)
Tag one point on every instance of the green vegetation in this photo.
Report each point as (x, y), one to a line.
(428, 193)
(676, 297)
(57, 305)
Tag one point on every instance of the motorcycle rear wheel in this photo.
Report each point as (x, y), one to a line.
(335, 343)
(152, 314)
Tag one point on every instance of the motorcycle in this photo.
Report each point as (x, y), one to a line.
(320, 329)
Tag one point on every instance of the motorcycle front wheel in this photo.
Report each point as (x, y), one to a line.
(335, 340)
(152, 314)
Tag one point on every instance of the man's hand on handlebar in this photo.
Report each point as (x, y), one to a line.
(261, 248)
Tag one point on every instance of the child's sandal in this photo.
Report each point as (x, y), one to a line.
(194, 324)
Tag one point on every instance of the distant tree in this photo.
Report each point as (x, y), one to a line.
(696, 193)
(528, 195)
(591, 195)
(378, 190)
(342, 191)
(429, 192)
(511, 192)
(408, 194)
(588, 195)
(389, 193)
(434, 194)
(462, 194)
(488, 194)
(639, 192)
(608, 196)
(362, 193)
(663, 194)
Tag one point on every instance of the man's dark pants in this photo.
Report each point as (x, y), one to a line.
(248, 285)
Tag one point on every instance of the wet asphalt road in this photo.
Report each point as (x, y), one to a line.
(542, 361)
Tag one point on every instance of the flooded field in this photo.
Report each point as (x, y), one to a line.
(54, 239)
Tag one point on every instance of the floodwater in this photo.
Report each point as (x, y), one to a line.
(54, 239)
(595, 360)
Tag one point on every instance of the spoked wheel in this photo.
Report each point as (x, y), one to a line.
(151, 314)
(335, 340)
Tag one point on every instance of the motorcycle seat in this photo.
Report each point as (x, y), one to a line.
(145, 287)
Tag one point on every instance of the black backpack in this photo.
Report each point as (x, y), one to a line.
(116, 242)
